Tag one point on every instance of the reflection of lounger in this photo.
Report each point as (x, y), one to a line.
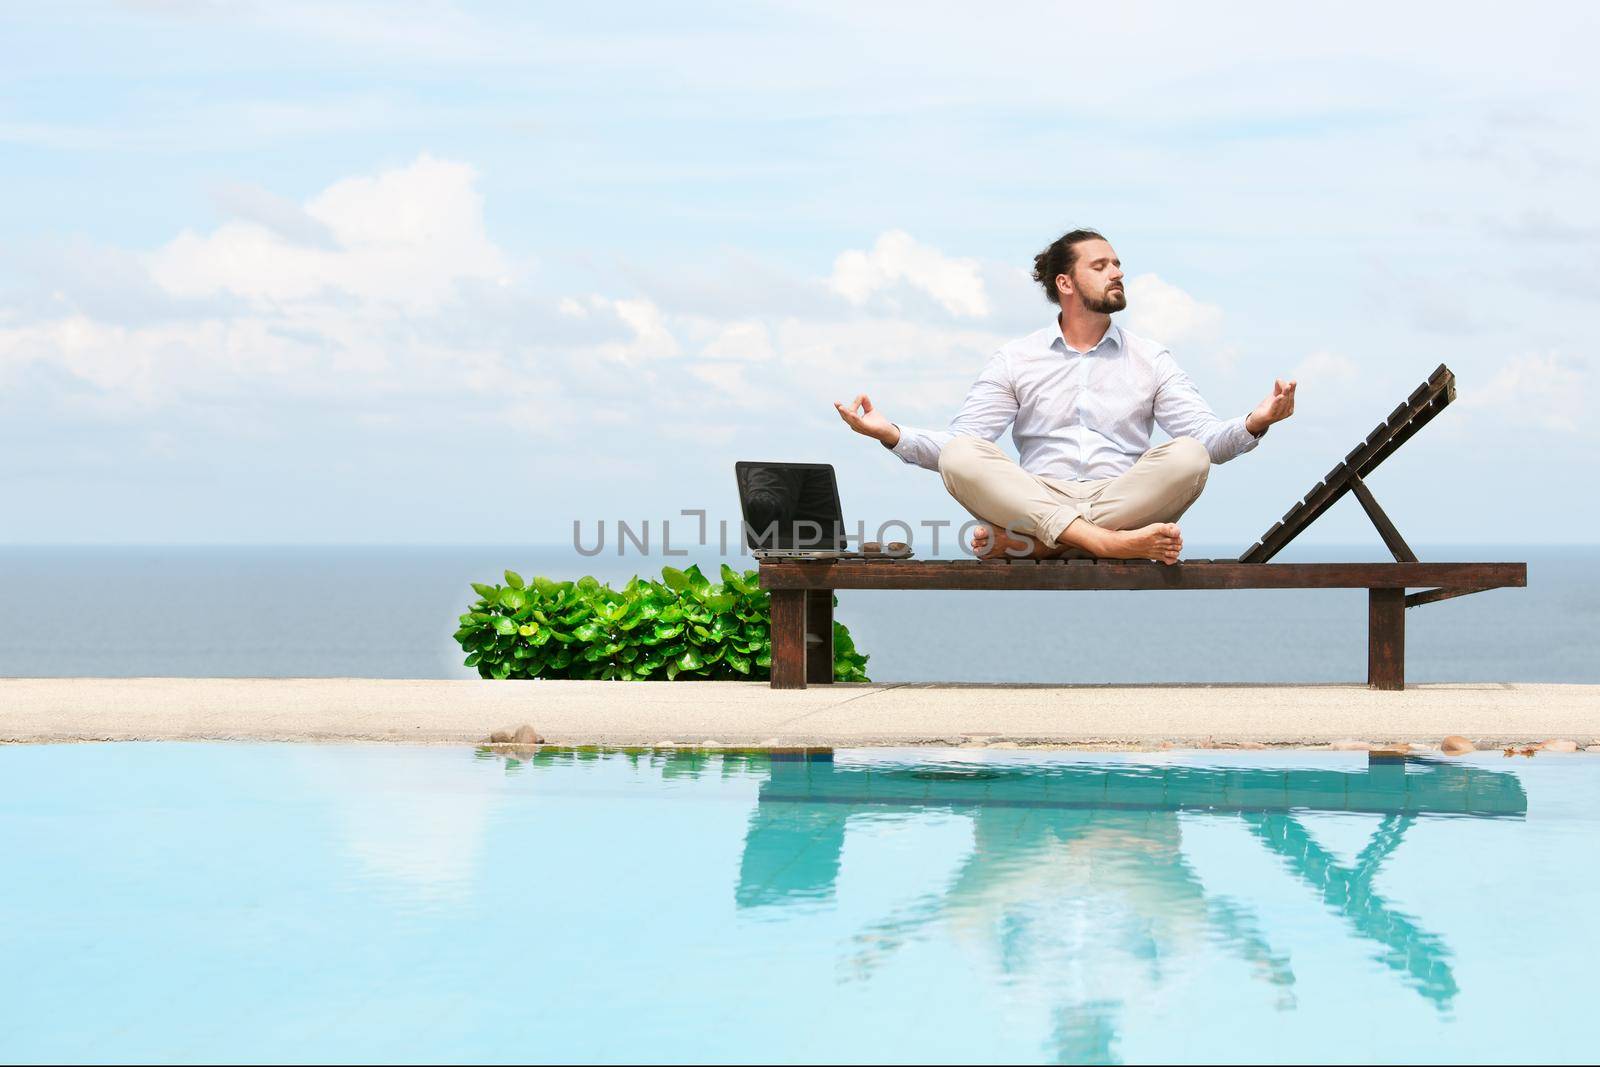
(802, 593)
(1384, 789)
(796, 836)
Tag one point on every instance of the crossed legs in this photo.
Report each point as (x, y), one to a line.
(1133, 516)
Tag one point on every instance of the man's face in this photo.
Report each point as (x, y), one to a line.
(1097, 278)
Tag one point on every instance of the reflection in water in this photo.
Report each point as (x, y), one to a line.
(426, 841)
(1078, 886)
(1078, 878)
(379, 904)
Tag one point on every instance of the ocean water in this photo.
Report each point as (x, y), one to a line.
(315, 903)
(389, 612)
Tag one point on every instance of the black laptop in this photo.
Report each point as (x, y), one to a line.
(791, 511)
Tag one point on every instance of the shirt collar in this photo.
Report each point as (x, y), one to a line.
(1112, 338)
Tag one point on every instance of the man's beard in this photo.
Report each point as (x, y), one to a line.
(1107, 302)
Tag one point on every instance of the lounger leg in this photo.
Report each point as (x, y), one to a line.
(788, 638)
(1386, 638)
(819, 636)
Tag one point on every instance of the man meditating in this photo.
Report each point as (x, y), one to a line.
(1083, 394)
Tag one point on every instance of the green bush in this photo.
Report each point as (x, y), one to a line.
(682, 626)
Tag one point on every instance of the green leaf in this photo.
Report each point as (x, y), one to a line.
(504, 625)
(697, 581)
(843, 645)
(676, 580)
(720, 602)
(690, 660)
(527, 629)
(729, 575)
(738, 662)
(488, 592)
(513, 579)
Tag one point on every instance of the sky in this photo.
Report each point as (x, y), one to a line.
(388, 273)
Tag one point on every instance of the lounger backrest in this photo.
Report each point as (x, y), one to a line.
(1427, 401)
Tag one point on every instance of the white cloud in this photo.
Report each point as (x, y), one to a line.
(1548, 392)
(651, 338)
(410, 235)
(371, 294)
(1163, 312)
(897, 259)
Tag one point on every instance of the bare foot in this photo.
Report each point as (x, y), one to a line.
(995, 543)
(1160, 541)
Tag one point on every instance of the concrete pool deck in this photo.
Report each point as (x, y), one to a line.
(750, 714)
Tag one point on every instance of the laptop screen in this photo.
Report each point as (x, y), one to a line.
(790, 506)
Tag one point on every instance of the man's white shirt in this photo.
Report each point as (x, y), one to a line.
(1081, 416)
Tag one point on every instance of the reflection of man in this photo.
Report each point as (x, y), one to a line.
(1081, 396)
(788, 507)
(1092, 906)
(1080, 903)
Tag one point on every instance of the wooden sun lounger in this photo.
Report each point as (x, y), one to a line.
(802, 590)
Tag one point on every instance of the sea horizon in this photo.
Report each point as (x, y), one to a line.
(388, 611)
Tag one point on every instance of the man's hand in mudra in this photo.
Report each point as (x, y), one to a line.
(866, 420)
(1279, 405)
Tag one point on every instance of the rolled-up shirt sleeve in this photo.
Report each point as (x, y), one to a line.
(1181, 411)
(990, 406)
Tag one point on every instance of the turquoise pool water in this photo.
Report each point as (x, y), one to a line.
(310, 903)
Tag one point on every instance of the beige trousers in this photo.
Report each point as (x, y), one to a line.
(1158, 488)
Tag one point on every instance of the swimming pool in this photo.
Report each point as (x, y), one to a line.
(195, 902)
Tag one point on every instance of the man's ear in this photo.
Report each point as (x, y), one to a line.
(1063, 285)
